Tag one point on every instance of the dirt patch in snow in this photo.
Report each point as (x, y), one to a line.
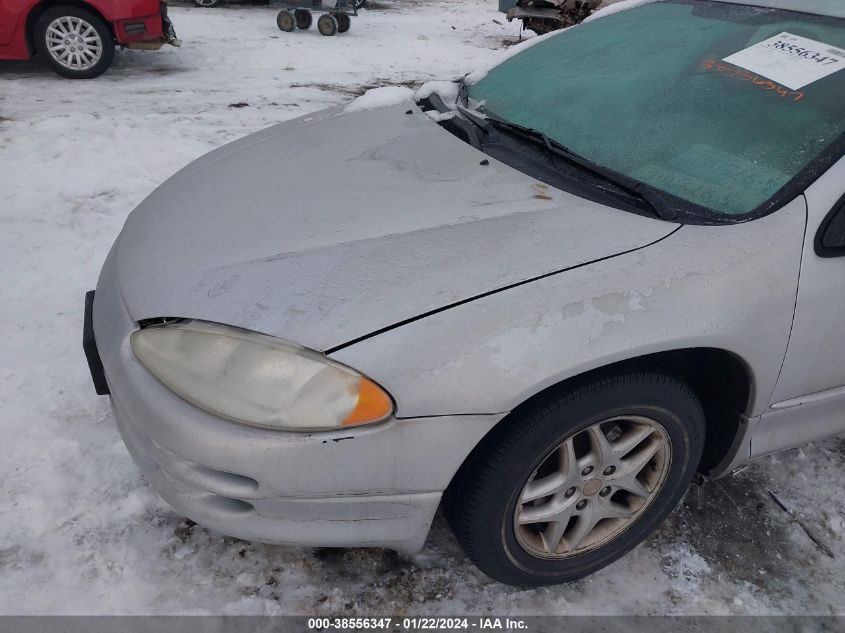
(360, 89)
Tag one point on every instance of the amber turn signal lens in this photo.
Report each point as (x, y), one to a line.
(373, 404)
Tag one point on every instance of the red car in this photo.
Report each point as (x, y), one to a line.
(78, 38)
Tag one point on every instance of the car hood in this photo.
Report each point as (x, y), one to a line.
(330, 227)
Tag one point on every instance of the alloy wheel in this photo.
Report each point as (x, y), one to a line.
(592, 486)
(74, 43)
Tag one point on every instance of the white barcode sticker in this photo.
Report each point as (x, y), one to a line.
(790, 60)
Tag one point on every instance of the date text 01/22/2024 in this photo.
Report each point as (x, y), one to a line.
(417, 624)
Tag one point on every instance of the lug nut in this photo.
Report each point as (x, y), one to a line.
(569, 492)
(604, 491)
(587, 471)
(581, 504)
(609, 470)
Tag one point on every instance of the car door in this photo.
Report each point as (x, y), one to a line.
(809, 399)
(9, 13)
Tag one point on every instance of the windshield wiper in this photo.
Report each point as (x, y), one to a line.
(654, 199)
(468, 126)
(481, 122)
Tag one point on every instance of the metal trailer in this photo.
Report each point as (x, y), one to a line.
(336, 18)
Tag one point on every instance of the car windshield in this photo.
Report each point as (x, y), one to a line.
(725, 106)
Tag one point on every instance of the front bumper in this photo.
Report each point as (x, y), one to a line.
(373, 486)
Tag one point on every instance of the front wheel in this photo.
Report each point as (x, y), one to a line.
(575, 479)
(75, 42)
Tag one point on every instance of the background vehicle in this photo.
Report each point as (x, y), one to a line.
(544, 16)
(78, 39)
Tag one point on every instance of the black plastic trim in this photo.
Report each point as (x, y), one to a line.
(818, 243)
(135, 28)
(89, 344)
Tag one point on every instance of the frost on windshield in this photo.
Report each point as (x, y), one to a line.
(680, 116)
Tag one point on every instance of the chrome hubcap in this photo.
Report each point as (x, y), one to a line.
(74, 43)
(592, 487)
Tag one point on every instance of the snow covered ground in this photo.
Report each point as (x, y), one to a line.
(80, 530)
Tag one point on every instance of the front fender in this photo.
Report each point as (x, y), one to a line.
(728, 287)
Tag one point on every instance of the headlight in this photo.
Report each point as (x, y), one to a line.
(256, 379)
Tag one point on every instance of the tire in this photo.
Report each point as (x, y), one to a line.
(303, 18)
(93, 51)
(520, 474)
(327, 24)
(344, 22)
(206, 4)
(285, 21)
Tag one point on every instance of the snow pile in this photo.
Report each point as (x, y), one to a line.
(687, 566)
(447, 90)
(616, 7)
(380, 98)
(439, 117)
